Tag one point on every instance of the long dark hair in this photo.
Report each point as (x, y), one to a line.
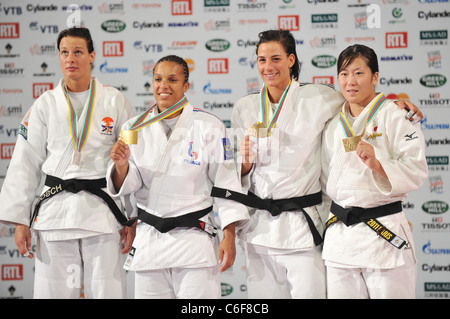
(286, 39)
(78, 32)
(354, 51)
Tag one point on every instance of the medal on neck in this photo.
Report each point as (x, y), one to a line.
(80, 140)
(130, 136)
(352, 141)
(264, 128)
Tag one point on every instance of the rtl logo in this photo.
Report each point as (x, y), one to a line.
(39, 88)
(112, 48)
(218, 66)
(323, 80)
(181, 7)
(291, 23)
(6, 150)
(396, 40)
(9, 30)
(12, 272)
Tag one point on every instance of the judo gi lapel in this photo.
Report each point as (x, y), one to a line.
(81, 129)
(284, 116)
(174, 139)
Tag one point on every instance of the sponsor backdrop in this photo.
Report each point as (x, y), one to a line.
(218, 38)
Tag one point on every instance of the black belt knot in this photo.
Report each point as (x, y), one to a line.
(276, 206)
(93, 186)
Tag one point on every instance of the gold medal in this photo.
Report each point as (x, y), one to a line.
(258, 130)
(129, 136)
(351, 143)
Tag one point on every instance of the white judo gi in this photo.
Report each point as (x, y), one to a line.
(288, 165)
(45, 147)
(172, 175)
(399, 147)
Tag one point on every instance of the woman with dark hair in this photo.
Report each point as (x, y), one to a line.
(279, 132)
(372, 158)
(181, 152)
(67, 136)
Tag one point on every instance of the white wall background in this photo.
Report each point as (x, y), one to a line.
(218, 39)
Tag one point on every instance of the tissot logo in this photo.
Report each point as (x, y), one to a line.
(112, 48)
(9, 30)
(181, 7)
(396, 40)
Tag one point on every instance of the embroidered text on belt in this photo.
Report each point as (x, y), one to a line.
(93, 186)
(190, 220)
(368, 216)
(276, 206)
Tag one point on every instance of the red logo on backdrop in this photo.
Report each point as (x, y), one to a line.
(181, 7)
(6, 150)
(12, 272)
(396, 40)
(112, 48)
(323, 79)
(218, 66)
(291, 23)
(39, 88)
(9, 30)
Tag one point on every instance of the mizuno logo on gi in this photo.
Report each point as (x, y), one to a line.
(410, 137)
(107, 126)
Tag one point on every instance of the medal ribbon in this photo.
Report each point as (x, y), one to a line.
(80, 141)
(265, 104)
(171, 110)
(373, 109)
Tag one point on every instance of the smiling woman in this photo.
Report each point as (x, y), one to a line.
(372, 157)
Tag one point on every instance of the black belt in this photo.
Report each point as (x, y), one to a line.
(354, 215)
(93, 186)
(276, 206)
(189, 220)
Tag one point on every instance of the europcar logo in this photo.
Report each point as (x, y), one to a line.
(113, 26)
(433, 80)
(435, 207)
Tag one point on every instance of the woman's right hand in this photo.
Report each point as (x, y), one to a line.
(120, 153)
(248, 156)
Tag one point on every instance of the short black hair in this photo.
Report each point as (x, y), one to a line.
(78, 32)
(354, 51)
